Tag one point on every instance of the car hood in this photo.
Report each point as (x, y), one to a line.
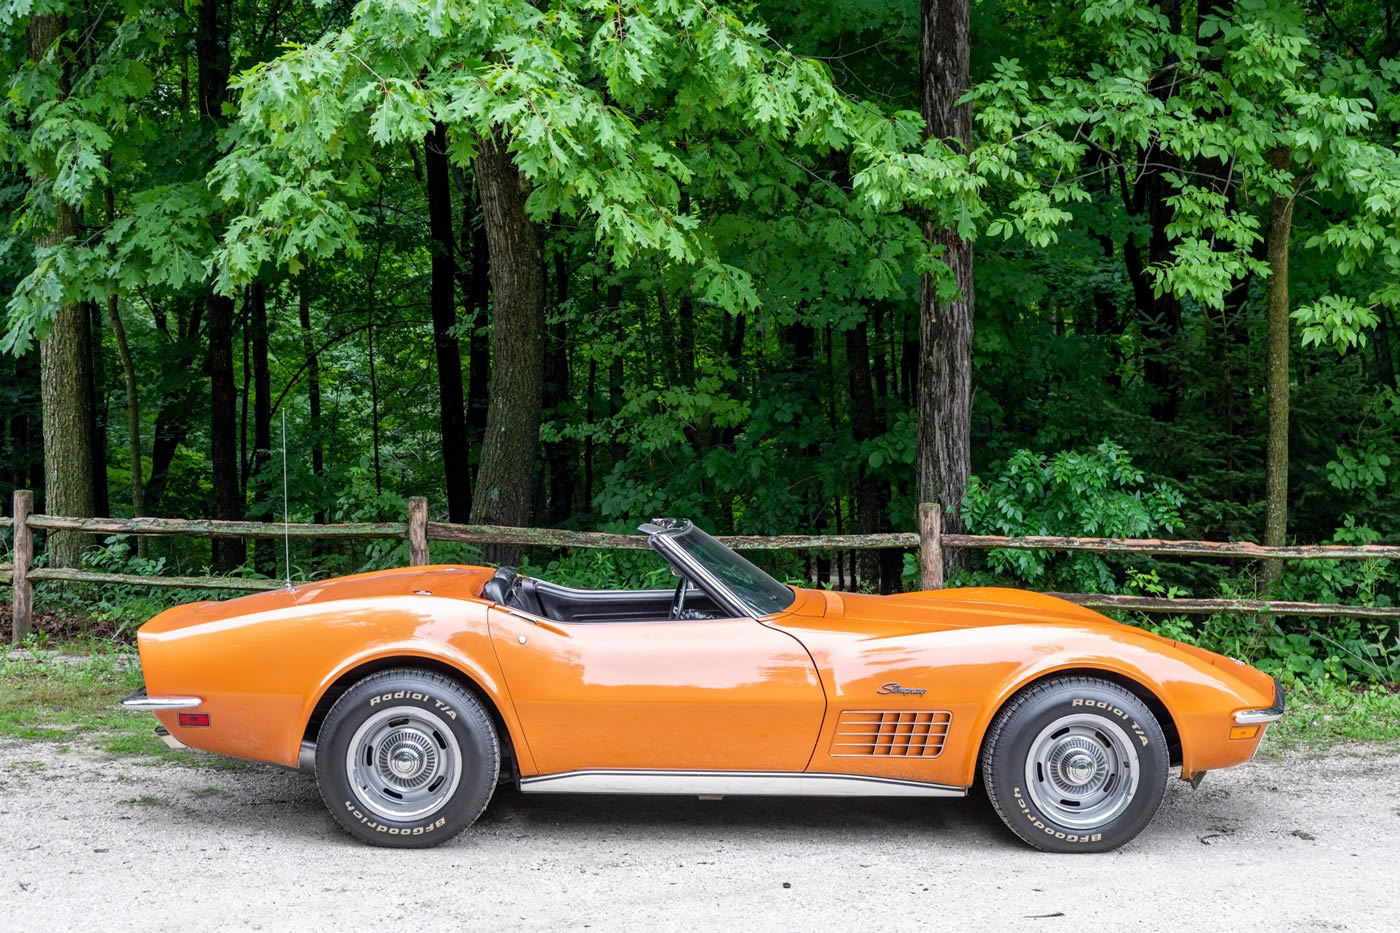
(941, 609)
(865, 616)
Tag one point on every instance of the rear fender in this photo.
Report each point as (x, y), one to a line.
(262, 675)
(482, 679)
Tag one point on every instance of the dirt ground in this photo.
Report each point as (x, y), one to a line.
(99, 843)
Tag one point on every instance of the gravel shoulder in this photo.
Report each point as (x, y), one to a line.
(94, 842)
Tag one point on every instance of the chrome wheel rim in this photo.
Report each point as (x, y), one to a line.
(403, 763)
(1082, 771)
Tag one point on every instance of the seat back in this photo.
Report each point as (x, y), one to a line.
(497, 589)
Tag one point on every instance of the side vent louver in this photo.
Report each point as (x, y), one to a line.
(901, 733)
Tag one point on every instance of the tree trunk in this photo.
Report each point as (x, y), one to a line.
(211, 45)
(478, 298)
(65, 373)
(589, 415)
(945, 329)
(244, 395)
(373, 399)
(370, 286)
(908, 368)
(562, 453)
(313, 392)
(133, 407)
(133, 396)
(685, 310)
(616, 371)
(97, 389)
(670, 352)
(891, 561)
(228, 553)
(456, 454)
(1384, 351)
(1158, 314)
(69, 437)
(799, 348)
(177, 405)
(264, 487)
(881, 369)
(1160, 317)
(505, 478)
(872, 495)
(1276, 496)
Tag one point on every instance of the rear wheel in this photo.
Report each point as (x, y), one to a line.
(407, 758)
(1076, 765)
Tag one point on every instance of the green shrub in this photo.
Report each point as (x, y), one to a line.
(1095, 493)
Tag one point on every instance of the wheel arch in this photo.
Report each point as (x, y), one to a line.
(510, 761)
(1154, 703)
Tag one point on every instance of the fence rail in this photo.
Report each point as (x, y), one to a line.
(930, 541)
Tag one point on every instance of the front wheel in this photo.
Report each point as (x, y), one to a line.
(1076, 765)
(407, 758)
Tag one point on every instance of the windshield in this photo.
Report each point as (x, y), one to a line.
(755, 589)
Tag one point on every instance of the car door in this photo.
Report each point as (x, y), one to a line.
(714, 694)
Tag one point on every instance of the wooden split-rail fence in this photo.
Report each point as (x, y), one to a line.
(21, 574)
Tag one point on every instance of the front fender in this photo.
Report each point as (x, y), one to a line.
(970, 672)
(1199, 690)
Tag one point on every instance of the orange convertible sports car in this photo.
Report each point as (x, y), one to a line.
(414, 692)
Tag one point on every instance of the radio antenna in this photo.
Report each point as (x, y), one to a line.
(286, 513)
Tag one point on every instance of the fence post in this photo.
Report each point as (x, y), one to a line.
(930, 546)
(23, 590)
(418, 531)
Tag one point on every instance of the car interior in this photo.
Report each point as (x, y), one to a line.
(566, 604)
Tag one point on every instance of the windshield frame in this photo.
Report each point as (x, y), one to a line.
(713, 567)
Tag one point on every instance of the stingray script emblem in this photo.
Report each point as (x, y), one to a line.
(893, 687)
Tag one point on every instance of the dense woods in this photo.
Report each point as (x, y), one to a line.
(1104, 267)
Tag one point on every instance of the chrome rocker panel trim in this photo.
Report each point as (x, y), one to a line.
(736, 783)
(1249, 716)
(141, 701)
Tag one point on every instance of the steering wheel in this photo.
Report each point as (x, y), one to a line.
(512, 593)
(678, 600)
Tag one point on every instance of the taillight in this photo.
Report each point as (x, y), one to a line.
(194, 719)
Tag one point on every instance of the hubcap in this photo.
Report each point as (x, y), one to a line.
(403, 763)
(1082, 771)
(1079, 769)
(407, 755)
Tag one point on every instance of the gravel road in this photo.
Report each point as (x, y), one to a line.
(97, 843)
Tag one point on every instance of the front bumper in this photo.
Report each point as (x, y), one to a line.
(1268, 714)
(140, 700)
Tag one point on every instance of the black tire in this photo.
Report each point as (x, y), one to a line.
(1048, 737)
(418, 713)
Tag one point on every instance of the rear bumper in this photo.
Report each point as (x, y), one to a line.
(140, 700)
(1267, 714)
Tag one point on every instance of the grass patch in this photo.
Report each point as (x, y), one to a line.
(70, 699)
(1325, 714)
(145, 800)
